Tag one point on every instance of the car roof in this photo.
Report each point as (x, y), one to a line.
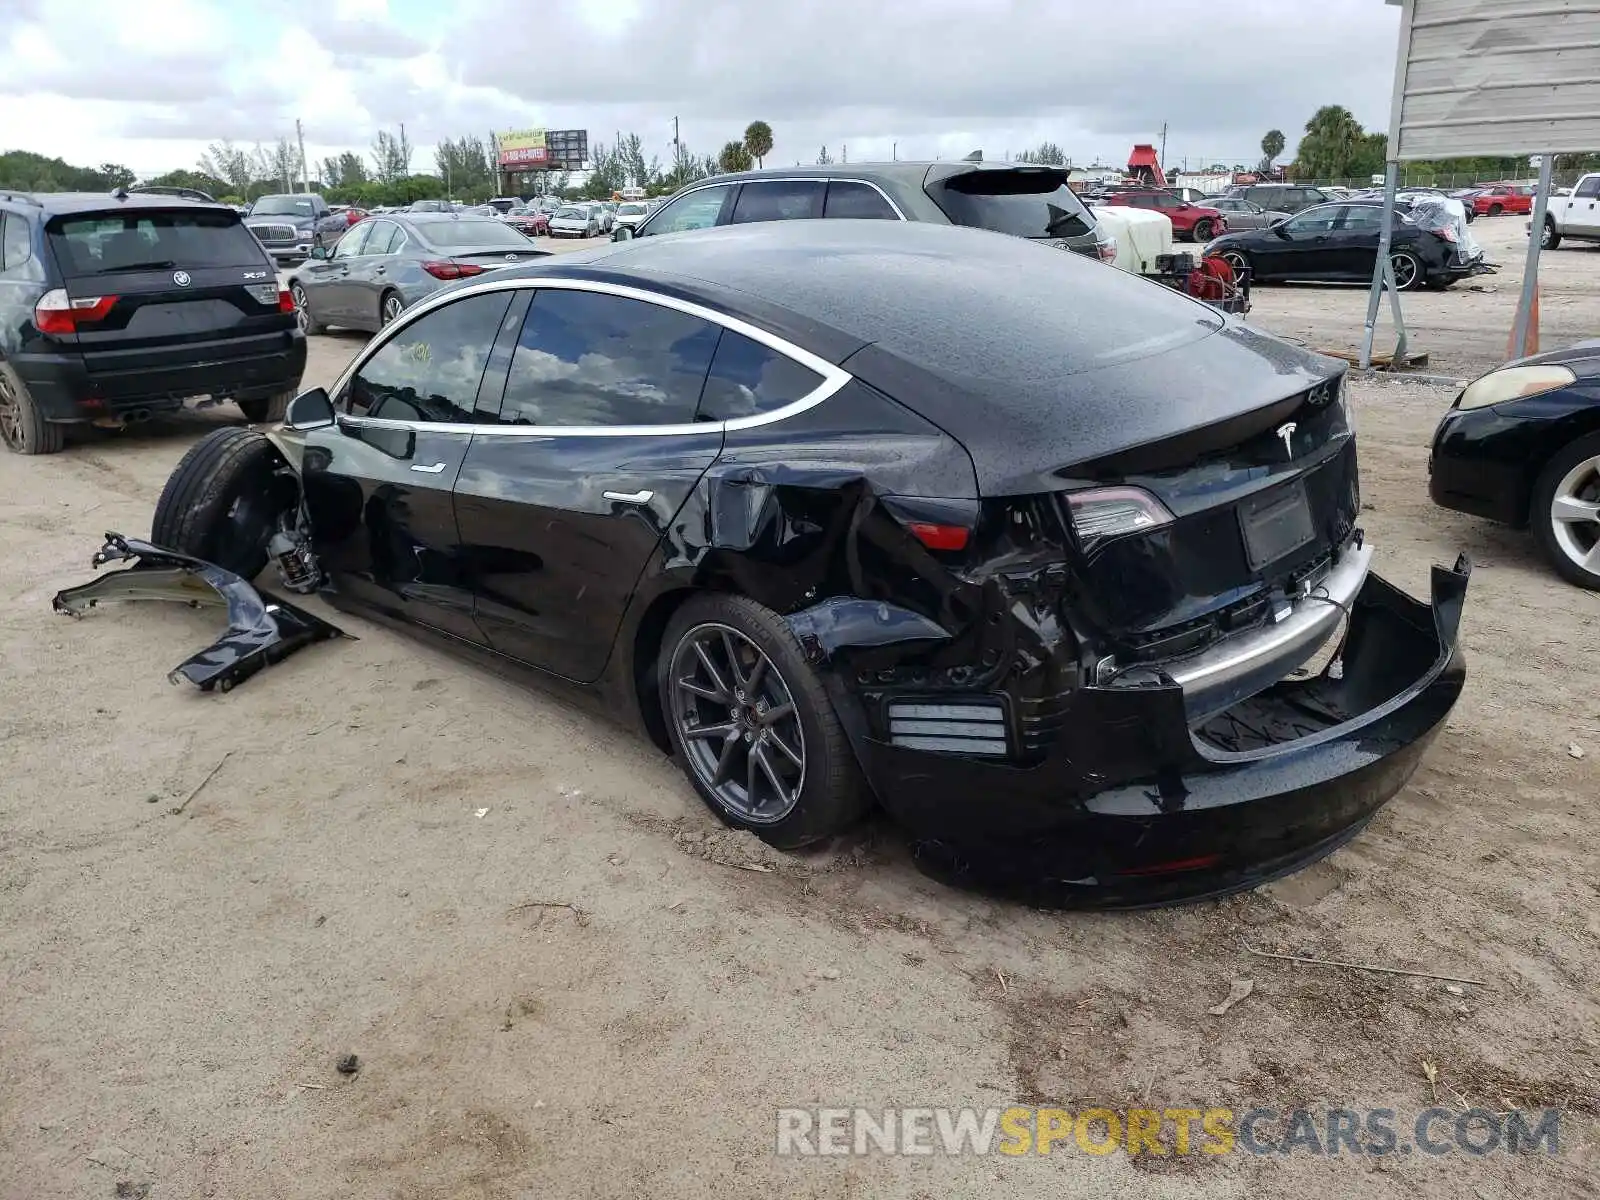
(67, 203)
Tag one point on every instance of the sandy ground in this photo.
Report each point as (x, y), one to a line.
(371, 870)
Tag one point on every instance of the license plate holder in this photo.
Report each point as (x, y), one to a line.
(1276, 524)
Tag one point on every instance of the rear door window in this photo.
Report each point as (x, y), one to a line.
(747, 378)
(781, 200)
(431, 369)
(16, 242)
(383, 239)
(1024, 202)
(857, 200)
(98, 243)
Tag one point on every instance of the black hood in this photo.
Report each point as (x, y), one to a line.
(1582, 357)
(1022, 439)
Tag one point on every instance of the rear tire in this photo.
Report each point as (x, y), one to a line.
(1574, 475)
(390, 307)
(223, 500)
(1408, 272)
(267, 410)
(1551, 237)
(22, 426)
(826, 790)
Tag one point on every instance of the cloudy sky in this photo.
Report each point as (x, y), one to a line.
(149, 83)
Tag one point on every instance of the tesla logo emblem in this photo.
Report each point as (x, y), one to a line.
(181, 278)
(1286, 432)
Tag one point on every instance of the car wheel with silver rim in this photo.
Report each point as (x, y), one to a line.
(1238, 261)
(752, 725)
(302, 308)
(391, 307)
(1565, 512)
(1407, 270)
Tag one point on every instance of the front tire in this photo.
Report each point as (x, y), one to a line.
(1201, 231)
(1496, 209)
(752, 725)
(1565, 512)
(223, 500)
(22, 426)
(308, 324)
(1238, 262)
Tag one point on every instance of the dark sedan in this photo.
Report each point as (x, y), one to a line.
(384, 265)
(1339, 243)
(1521, 446)
(1029, 551)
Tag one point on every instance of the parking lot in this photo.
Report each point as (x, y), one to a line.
(563, 977)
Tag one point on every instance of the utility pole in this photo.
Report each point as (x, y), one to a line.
(844, 153)
(300, 136)
(1163, 146)
(894, 151)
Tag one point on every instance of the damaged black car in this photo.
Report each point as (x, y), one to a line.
(1060, 567)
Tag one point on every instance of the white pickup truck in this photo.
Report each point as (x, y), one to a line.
(1575, 217)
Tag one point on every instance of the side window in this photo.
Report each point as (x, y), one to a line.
(384, 237)
(588, 358)
(696, 210)
(1164, 200)
(16, 243)
(747, 378)
(858, 200)
(430, 370)
(1314, 220)
(1362, 218)
(1588, 187)
(793, 200)
(1139, 201)
(350, 244)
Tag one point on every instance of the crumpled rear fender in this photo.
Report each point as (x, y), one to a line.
(261, 628)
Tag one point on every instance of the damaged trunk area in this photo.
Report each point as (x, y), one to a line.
(262, 629)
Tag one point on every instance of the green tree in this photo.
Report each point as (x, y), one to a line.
(1047, 154)
(464, 165)
(635, 170)
(758, 141)
(223, 160)
(1271, 146)
(734, 157)
(823, 157)
(209, 184)
(391, 157)
(1332, 143)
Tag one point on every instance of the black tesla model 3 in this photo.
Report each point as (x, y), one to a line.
(1521, 446)
(1031, 551)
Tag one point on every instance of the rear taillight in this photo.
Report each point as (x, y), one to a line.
(1102, 513)
(57, 313)
(450, 270)
(285, 300)
(940, 537)
(264, 293)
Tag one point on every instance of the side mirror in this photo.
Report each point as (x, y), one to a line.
(320, 252)
(309, 410)
(622, 233)
(1281, 228)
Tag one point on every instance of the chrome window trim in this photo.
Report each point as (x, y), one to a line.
(824, 179)
(833, 377)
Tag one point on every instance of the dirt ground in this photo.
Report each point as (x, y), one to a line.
(376, 866)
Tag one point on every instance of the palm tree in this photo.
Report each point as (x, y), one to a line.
(758, 141)
(734, 157)
(1333, 137)
(1272, 145)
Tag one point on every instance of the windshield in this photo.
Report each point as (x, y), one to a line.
(1026, 203)
(281, 206)
(477, 232)
(93, 244)
(631, 210)
(576, 214)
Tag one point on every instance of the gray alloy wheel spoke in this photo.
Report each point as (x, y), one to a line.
(759, 756)
(1569, 509)
(789, 751)
(693, 685)
(711, 731)
(730, 745)
(750, 760)
(740, 684)
(722, 693)
(753, 681)
(1591, 561)
(777, 712)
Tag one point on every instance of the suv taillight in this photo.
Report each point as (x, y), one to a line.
(450, 270)
(58, 313)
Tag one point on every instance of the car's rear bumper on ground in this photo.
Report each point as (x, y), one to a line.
(1134, 805)
(66, 390)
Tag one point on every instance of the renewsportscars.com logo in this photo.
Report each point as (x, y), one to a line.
(1021, 1130)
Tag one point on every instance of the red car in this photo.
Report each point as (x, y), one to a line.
(533, 223)
(1500, 198)
(1190, 222)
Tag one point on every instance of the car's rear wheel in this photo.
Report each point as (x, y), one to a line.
(1202, 231)
(390, 307)
(1407, 270)
(752, 726)
(22, 426)
(1550, 238)
(1565, 512)
(308, 323)
(267, 409)
(223, 501)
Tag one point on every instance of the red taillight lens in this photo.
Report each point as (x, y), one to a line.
(450, 270)
(940, 537)
(285, 300)
(58, 313)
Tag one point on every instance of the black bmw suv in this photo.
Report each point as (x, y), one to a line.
(114, 307)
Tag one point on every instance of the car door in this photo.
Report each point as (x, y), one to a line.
(1302, 247)
(778, 200)
(1583, 208)
(699, 209)
(369, 273)
(1355, 238)
(379, 483)
(596, 449)
(331, 278)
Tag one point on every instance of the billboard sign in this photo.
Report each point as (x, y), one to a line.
(522, 149)
(1496, 78)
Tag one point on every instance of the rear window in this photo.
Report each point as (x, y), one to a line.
(93, 244)
(476, 232)
(282, 206)
(1025, 203)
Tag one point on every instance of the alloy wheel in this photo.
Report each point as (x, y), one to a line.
(392, 307)
(1575, 515)
(738, 724)
(1237, 262)
(10, 417)
(301, 314)
(1544, 237)
(1405, 270)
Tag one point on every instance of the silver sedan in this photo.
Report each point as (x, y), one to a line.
(1241, 214)
(384, 265)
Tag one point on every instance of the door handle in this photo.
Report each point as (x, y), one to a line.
(629, 497)
(377, 270)
(436, 469)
